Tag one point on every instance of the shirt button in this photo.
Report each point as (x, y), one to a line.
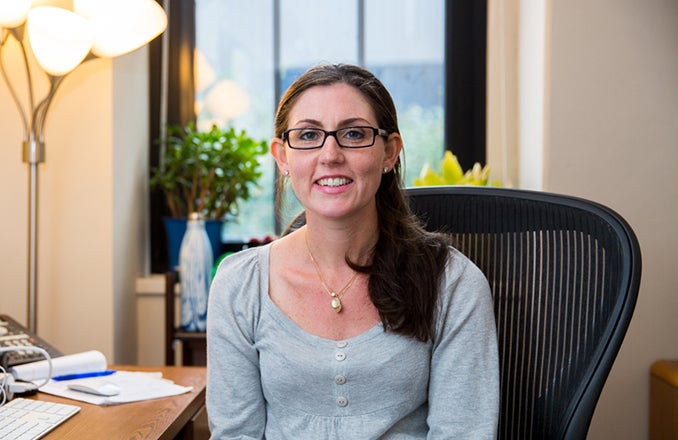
(340, 356)
(340, 379)
(342, 401)
(342, 344)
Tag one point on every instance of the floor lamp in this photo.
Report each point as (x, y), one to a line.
(60, 40)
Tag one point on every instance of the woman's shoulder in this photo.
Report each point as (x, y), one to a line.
(459, 265)
(241, 272)
(247, 259)
(465, 292)
(462, 277)
(237, 292)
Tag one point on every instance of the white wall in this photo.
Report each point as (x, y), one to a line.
(532, 70)
(91, 230)
(612, 136)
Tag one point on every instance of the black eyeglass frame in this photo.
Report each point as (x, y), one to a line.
(375, 131)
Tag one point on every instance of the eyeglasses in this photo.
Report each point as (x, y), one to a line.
(349, 137)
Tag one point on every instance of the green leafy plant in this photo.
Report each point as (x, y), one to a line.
(207, 171)
(450, 172)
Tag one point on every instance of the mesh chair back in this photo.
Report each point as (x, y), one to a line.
(564, 274)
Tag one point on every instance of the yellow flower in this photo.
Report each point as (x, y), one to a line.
(453, 174)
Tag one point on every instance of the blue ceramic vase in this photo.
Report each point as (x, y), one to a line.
(175, 228)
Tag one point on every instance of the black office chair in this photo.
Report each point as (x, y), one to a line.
(565, 274)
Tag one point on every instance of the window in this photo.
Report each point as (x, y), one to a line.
(247, 54)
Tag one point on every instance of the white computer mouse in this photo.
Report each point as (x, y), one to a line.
(100, 387)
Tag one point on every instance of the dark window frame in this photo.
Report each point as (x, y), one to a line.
(465, 86)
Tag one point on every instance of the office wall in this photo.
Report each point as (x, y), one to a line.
(91, 229)
(612, 136)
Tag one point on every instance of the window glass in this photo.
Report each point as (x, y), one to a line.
(240, 58)
(234, 82)
(313, 31)
(405, 48)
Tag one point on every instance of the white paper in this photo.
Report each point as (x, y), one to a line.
(84, 362)
(134, 386)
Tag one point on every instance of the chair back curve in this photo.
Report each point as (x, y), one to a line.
(565, 274)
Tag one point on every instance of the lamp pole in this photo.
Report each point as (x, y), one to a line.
(33, 120)
(34, 155)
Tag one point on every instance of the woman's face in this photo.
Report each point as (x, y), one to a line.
(332, 181)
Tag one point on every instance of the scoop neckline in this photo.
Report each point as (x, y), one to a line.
(292, 326)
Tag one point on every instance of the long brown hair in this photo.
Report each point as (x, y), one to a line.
(407, 261)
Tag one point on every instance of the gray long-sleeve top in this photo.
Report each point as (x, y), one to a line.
(268, 378)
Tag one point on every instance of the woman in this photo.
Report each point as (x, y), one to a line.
(358, 325)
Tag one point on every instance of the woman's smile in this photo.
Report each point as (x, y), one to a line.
(333, 181)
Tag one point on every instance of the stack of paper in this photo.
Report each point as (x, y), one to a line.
(134, 386)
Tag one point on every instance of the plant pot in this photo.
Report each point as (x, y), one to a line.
(175, 229)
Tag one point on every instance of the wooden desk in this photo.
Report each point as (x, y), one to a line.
(163, 418)
(664, 400)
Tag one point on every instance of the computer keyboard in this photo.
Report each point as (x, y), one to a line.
(26, 419)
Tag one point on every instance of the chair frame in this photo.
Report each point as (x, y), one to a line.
(572, 418)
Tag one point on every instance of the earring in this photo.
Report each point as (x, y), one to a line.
(286, 173)
(385, 170)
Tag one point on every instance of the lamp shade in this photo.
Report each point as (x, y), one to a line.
(226, 100)
(121, 26)
(203, 72)
(13, 13)
(60, 38)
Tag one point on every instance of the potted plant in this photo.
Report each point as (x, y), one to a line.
(209, 172)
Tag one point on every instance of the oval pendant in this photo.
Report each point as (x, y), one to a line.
(336, 304)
